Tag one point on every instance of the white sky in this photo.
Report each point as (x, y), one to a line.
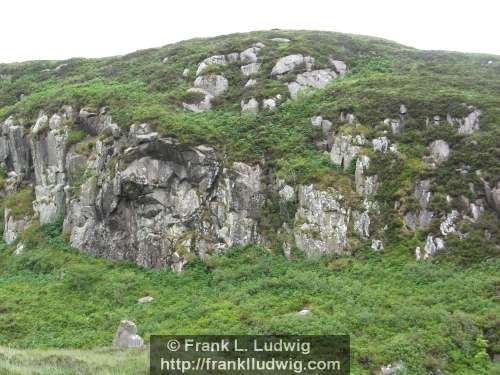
(60, 29)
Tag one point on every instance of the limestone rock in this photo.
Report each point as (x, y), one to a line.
(362, 225)
(19, 249)
(280, 40)
(377, 245)
(250, 106)
(365, 185)
(440, 151)
(212, 60)
(339, 66)
(289, 63)
(126, 336)
(380, 144)
(233, 57)
(251, 82)
(252, 68)
(185, 72)
(304, 312)
(249, 55)
(395, 368)
(13, 226)
(316, 78)
(467, 125)
(212, 84)
(145, 299)
(345, 148)
(322, 222)
(204, 105)
(432, 246)
(269, 104)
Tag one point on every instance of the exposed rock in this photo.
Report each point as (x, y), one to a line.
(251, 106)
(146, 299)
(294, 88)
(492, 195)
(252, 68)
(365, 185)
(204, 105)
(447, 226)
(396, 125)
(345, 148)
(13, 226)
(126, 336)
(317, 78)
(251, 82)
(418, 253)
(432, 246)
(362, 225)
(285, 191)
(233, 57)
(377, 245)
(19, 249)
(322, 222)
(440, 151)
(15, 151)
(289, 63)
(402, 109)
(249, 55)
(185, 72)
(395, 368)
(280, 40)
(467, 125)
(212, 84)
(304, 312)
(380, 144)
(316, 120)
(269, 104)
(347, 118)
(423, 216)
(339, 66)
(212, 60)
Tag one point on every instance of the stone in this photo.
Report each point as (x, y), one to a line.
(365, 185)
(347, 118)
(249, 55)
(304, 312)
(280, 40)
(126, 336)
(185, 72)
(467, 125)
(326, 127)
(165, 60)
(290, 63)
(42, 122)
(294, 88)
(145, 299)
(233, 57)
(250, 106)
(19, 249)
(362, 225)
(432, 246)
(447, 226)
(418, 253)
(212, 84)
(344, 148)
(317, 78)
(252, 68)
(203, 105)
(395, 125)
(339, 66)
(269, 104)
(322, 220)
(402, 109)
(395, 368)
(212, 60)
(377, 245)
(13, 226)
(440, 151)
(316, 120)
(251, 82)
(380, 144)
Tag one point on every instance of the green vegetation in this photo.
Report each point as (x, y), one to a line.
(73, 362)
(436, 315)
(432, 316)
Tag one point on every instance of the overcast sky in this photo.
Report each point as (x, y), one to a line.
(60, 29)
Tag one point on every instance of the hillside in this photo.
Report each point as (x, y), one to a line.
(243, 178)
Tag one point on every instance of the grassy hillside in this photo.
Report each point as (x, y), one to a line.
(436, 315)
(432, 316)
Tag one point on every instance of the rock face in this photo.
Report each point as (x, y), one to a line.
(126, 336)
(322, 220)
(291, 62)
(251, 106)
(467, 125)
(345, 148)
(212, 60)
(440, 151)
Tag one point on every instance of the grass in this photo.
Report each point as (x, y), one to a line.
(431, 315)
(73, 362)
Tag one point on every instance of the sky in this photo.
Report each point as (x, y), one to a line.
(60, 29)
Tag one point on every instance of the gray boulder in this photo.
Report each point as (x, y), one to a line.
(126, 336)
(212, 84)
(250, 106)
(212, 60)
(252, 68)
(440, 151)
(289, 63)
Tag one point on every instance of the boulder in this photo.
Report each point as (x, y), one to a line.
(249, 55)
(146, 299)
(289, 63)
(395, 368)
(344, 148)
(377, 245)
(251, 82)
(280, 40)
(212, 60)
(317, 78)
(185, 72)
(468, 124)
(250, 106)
(126, 336)
(380, 144)
(269, 104)
(252, 68)
(304, 312)
(339, 66)
(233, 57)
(440, 151)
(212, 84)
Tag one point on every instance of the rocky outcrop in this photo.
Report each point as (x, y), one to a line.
(13, 226)
(468, 124)
(15, 151)
(322, 221)
(422, 217)
(290, 63)
(252, 68)
(250, 106)
(344, 148)
(439, 151)
(212, 60)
